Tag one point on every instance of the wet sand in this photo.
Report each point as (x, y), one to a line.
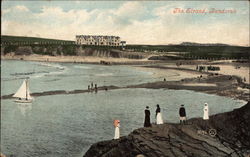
(223, 85)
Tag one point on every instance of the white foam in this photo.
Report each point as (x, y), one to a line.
(52, 65)
(60, 69)
(105, 74)
(82, 67)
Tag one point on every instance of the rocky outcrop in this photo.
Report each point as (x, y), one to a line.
(24, 50)
(225, 134)
(114, 53)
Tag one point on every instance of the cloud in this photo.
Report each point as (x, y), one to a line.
(21, 8)
(129, 9)
(127, 13)
(5, 11)
(15, 9)
(133, 21)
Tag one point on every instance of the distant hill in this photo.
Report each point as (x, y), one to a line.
(8, 38)
(202, 44)
(196, 50)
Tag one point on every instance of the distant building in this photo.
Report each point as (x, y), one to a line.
(98, 40)
(123, 43)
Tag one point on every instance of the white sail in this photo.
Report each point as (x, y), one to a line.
(28, 91)
(28, 94)
(23, 92)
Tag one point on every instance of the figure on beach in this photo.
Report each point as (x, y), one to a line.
(182, 113)
(206, 112)
(147, 122)
(158, 115)
(117, 129)
(96, 88)
(92, 85)
(88, 87)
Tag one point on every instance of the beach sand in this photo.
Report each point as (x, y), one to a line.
(169, 74)
(72, 59)
(160, 69)
(189, 70)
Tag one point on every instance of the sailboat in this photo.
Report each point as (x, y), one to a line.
(23, 93)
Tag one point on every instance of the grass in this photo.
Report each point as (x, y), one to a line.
(6, 38)
(221, 51)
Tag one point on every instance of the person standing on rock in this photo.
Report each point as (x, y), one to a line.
(158, 115)
(147, 122)
(182, 113)
(206, 112)
(117, 129)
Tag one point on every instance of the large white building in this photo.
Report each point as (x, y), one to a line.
(99, 40)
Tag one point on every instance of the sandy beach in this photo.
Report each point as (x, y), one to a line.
(229, 81)
(75, 59)
(186, 70)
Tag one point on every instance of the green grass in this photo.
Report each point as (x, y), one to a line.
(225, 51)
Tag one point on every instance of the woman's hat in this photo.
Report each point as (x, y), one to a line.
(116, 122)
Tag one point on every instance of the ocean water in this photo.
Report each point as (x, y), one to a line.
(67, 125)
(57, 76)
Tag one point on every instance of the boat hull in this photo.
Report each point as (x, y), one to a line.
(23, 101)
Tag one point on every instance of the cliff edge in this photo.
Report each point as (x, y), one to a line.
(225, 134)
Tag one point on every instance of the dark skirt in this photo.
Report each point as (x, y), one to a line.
(147, 122)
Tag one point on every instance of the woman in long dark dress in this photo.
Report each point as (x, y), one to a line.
(147, 118)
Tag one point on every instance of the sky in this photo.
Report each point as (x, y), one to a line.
(137, 22)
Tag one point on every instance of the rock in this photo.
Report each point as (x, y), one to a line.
(24, 50)
(232, 139)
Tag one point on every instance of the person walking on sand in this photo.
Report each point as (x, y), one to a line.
(92, 85)
(206, 112)
(182, 113)
(96, 88)
(117, 129)
(147, 122)
(158, 115)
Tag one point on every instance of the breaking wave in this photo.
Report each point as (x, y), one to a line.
(105, 74)
(82, 67)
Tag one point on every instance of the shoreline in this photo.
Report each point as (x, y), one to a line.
(79, 59)
(186, 78)
(211, 85)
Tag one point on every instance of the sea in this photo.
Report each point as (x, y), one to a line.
(67, 125)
